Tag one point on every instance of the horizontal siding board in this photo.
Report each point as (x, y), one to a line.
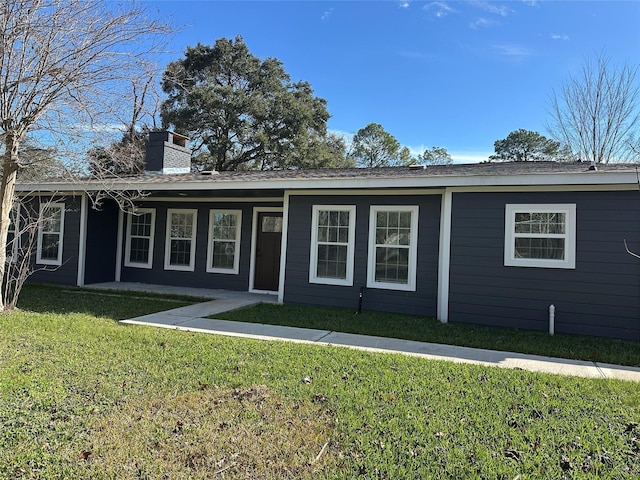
(299, 290)
(601, 292)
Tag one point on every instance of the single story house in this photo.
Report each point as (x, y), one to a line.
(490, 243)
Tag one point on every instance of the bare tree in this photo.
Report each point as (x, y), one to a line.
(65, 67)
(596, 114)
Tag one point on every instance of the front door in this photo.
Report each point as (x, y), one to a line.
(268, 241)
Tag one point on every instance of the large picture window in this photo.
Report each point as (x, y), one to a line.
(332, 244)
(180, 248)
(540, 236)
(50, 234)
(223, 251)
(393, 238)
(140, 236)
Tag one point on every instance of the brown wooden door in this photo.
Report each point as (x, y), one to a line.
(268, 241)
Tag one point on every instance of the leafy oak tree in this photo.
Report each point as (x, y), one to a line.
(373, 146)
(239, 111)
(597, 112)
(525, 146)
(62, 63)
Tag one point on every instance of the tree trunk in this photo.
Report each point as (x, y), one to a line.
(7, 190)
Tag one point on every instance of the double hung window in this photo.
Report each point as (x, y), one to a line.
(140, 236)
(180, 245)
(223, 251)
(393, 234)
(50, 234)
(332, 244)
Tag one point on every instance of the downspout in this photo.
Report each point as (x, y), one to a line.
(552, 319)
(444, 256)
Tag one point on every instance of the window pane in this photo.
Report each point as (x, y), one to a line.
(180, 252)
(272, 224)
(332, 261)
(392, 265)
(540, 248)
(139, 250)
(223, 255)
(49, 247)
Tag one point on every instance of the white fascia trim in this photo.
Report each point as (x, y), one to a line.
(563, 179)
(283, 248)
(82, 247)
(213, 200)
(444, 257)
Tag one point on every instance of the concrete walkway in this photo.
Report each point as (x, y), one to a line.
(191, 318)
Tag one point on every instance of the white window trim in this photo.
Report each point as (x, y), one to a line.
(152, 234)
(510, 260)
(410, 286)
(210, 242)
(313, 257)
(167, 246)
(46, 261)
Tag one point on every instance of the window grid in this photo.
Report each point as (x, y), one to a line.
(181, 237)
(141, 227)
(333, 236)
(224, 241)
(392, 247)
(49, 251)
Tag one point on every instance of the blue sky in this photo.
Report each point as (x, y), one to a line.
(454, 74)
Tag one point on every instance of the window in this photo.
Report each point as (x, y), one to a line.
(13, 238)
(49, 251)
(393, 238)
(332, 244)
(140, 235)
(223, 250)
(540, 236)
(180, 247)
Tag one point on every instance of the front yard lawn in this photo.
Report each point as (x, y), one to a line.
(82, 396)
(423, 329)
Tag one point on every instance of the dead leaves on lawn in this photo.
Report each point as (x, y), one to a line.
(214, 433)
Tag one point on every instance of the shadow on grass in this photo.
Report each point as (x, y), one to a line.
(114, 305)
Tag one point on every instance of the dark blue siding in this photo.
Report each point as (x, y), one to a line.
(298, 289)
(601, 296)
(198, 278)
(102, 235)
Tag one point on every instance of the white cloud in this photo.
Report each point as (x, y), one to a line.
(556, 36)
(326, 14)
(404, 4)
(482, 22)
(470, 157)
(493, 8)
(439, 9)
(512, 50)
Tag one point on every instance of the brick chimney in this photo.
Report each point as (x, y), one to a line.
(167, 153)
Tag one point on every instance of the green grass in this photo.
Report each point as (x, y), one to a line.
(82, 396)
(423, 329)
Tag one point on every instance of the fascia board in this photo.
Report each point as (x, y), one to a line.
(583, 178)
